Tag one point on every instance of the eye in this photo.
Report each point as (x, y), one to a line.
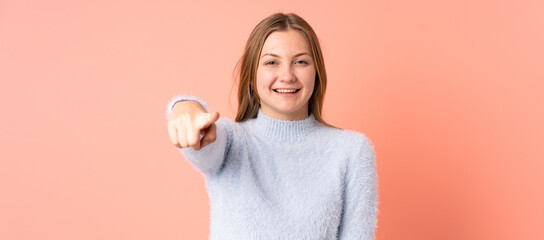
(270, 63)
(301, 62)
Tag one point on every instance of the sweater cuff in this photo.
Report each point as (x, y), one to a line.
(181, 98)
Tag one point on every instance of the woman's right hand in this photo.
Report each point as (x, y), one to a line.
(188, 121)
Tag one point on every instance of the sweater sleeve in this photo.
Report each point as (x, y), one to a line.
(359, 217)
(208, 160)
(181, 98)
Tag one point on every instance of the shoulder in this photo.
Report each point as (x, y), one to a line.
(227, 124)
(350, 138)
(357, 144)
(230, 127)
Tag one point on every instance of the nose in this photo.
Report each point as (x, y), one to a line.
(286, 74)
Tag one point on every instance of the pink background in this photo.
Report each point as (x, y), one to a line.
(450, 92)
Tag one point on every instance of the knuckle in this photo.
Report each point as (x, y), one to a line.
(187, 117)
(180, 120)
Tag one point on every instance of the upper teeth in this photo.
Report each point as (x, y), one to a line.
(286, 90)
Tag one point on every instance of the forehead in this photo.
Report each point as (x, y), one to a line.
(286, 42)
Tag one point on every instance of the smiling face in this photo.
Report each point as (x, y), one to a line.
(285, 75)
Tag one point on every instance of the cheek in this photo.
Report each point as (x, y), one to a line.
(308, 79)
(264, 79)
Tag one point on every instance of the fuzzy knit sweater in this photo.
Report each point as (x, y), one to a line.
(274, 179)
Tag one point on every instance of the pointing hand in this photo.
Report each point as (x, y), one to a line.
(189, 122)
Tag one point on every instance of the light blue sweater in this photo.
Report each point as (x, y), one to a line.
(274, 179)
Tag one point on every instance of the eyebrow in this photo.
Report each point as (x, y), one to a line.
(275, 55)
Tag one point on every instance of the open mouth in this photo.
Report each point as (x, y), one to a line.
(282, 90)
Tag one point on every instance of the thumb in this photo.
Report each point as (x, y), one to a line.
(206, 119)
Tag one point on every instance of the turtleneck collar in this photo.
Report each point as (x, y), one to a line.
(285, 130)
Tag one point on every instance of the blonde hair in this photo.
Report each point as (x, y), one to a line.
(248, 99)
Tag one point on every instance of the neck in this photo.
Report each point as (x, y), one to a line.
(285, 130)
(300, 114)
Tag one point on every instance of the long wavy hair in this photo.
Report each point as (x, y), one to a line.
(246, 68)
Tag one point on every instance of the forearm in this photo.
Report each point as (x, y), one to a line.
(209, 160)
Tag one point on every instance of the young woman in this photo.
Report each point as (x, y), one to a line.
(279, 171)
